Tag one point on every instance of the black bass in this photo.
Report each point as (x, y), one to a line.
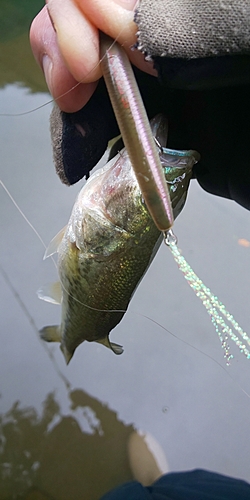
(107, 246)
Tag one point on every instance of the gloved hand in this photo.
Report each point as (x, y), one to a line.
(200, 52)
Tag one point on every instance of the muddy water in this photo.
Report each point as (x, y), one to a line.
(64, 430)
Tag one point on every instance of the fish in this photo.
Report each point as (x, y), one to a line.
(107, 247)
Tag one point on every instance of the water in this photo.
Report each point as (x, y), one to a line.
(64, 430)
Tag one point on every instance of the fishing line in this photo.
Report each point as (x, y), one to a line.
(209, 300)
(26, 219)
(34, 327)
(52, 258)
(49, 352)
(196, 349)
(67, 91)
(22, 214)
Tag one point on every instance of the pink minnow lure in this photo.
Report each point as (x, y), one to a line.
(136, 132)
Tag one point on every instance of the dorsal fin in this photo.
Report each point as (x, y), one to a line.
(51, 333)
(51, 292)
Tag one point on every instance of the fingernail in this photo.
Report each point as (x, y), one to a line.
(47, 68)
(51, 20)
(127, 4)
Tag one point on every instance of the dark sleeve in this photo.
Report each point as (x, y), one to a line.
(128, 491)
(192, 485)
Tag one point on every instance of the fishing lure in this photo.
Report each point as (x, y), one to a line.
(136, 132)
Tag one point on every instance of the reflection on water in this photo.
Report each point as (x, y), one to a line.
(78, 455)
(16, 60)
(64, 429)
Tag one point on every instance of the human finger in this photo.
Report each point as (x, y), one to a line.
(64, 87)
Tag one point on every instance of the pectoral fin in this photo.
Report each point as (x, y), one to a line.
(54, 244)
(51, 292)
(51, 333)
(116, 348)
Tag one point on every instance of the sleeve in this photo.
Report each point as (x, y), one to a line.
(192, 485)
(192, 41)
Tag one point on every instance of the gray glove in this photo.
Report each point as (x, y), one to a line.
(201, 50)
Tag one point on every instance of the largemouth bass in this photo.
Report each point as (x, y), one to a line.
(107, 246)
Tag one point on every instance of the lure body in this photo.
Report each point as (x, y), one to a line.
(107, 246)
(135, 129)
